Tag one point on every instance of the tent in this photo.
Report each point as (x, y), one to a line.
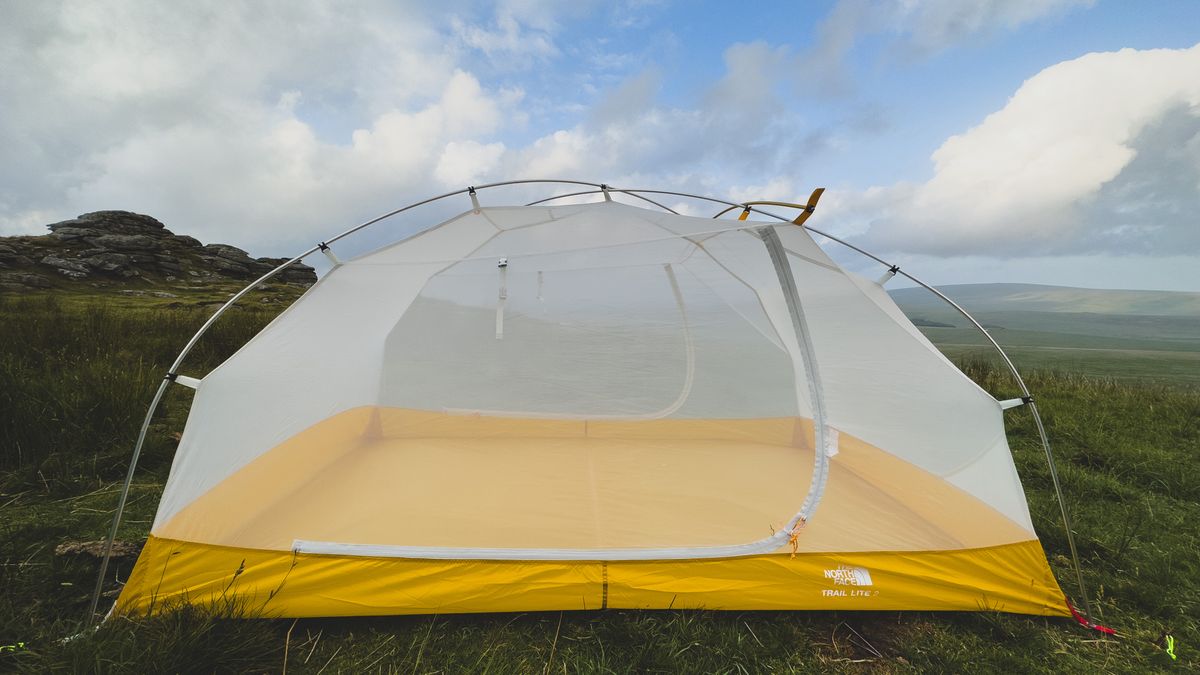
(585, 406)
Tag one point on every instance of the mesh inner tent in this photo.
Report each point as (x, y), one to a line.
(577, 381)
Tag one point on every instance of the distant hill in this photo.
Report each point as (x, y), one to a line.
(1119, 333)
(1038, 298)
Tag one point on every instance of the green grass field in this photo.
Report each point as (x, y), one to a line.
(77, 372)
(1147, 366)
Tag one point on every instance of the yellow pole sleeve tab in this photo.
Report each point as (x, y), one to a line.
(810, 206)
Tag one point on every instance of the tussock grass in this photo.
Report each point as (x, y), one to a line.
(75, 378)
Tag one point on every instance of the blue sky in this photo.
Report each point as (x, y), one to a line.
(1051, 141)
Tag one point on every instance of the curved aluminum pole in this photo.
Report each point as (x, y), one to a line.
(564, 196)
(112, 532)
(631, 193)
(527, 181)
(637, 193)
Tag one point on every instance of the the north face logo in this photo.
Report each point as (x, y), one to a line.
(845, 575)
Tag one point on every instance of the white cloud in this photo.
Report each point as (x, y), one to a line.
(775, 189)
(507, 38)
(253, 171)
(734, 130)
(260, 124)
(268, 124)
(1089, 154)
(465, 162)
(629, 100)
(562, 153)
(933, 25)
(519, 32)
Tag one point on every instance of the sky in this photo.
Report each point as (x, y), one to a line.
(969, 141)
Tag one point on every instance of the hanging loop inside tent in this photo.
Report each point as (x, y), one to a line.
(474, 199)
(502, 297)
(329, 254)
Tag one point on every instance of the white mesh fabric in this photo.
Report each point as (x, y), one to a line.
(320, 357)
(621, 331)
(892, 388)
(597, 312)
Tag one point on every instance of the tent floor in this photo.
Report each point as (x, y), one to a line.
(405, 478)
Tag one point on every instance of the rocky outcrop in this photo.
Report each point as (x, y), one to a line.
(108, 248)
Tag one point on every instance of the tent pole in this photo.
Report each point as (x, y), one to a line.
(112, 532)
(631, 193)
(141, 440)
(1037, 419)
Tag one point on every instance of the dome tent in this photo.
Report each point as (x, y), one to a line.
(550, 407)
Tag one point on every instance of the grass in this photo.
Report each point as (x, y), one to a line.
(77, 372)
(1129, 366)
